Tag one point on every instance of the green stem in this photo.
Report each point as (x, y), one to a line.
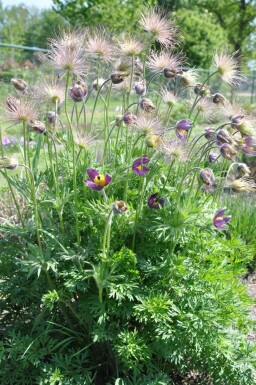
(95, 103)
(106, 236)
(14, 198)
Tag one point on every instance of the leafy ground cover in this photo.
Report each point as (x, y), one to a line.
(118, 264)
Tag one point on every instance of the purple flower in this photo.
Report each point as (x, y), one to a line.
(154, 202)
(209, 133)
(236, 120)
(207, 177)
(184, 124)
(219, 220)
(227, 151)
(138, 165)
(249, 146)
(213, 156)
(6, 141)
(97, 181)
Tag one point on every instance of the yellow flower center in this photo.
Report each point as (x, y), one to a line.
(140, 167)
(250, 148)
(155, 203)
(182, 132)
(100, 180)
(219, 219)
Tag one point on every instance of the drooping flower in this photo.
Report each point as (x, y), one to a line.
(9, 163)
(140, 87)
(243, 185)
(220, 221)
(182, 128)
(78, 91)
(223, 136)
(6, 141)
(146, 105)
(227, 151)
(119, 207)
(158, 24)
(38, 127)
(51, 117)
(249, 146)
(154, 202)
(158, 61)
(207, 177)
(129, 119)
(218, 99)
(243, 124)
(227, 67)
(97, 181)
(212, 157)
(138, 165)
(19, 84)
(209, 133)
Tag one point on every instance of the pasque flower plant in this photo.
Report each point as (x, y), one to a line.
(94, 286)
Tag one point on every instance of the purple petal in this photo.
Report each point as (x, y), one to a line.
(139, 161)
(92, 185)
(92, 173)
(151, 199)
(140, 172)
(220, 213)
(227, 219)
(108, 179)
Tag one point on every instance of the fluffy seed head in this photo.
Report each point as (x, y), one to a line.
(188, 78)
(169, 97)
(68, 39)
(227, 67)
(175, 149)
(99, 45)
(66, 59)
(158, 24)
(148, 125)
(18, 111)
(84, 140)
(49, 91)
(130, 47)
(158, 61)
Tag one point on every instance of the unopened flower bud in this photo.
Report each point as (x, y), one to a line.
(119, 207)
(52, 117)
(78, 91)
(38, 127)
(119, 119)
(9, 163)
(140, 88)
(19, 84)
(169, 73)
(207, 177)
(201, 90)
(236, 120)
(117, 77)
(227, 151)
(218, 99)
(239, 123)
(213, 156)
(209, 133)
(153, 141)
(129, 118)
(184, 124)
(146, 105)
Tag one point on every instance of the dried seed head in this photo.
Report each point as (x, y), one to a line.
(72, 40)
(148, 125)
(66, 59)
(84, 140)
(9, 163)
(158, 24)
(19, 84)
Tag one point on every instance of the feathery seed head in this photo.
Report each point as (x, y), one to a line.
(99, 45)
(158, 61)
(18, 111)
(49, 91)
(227, 67)
(169, 97)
